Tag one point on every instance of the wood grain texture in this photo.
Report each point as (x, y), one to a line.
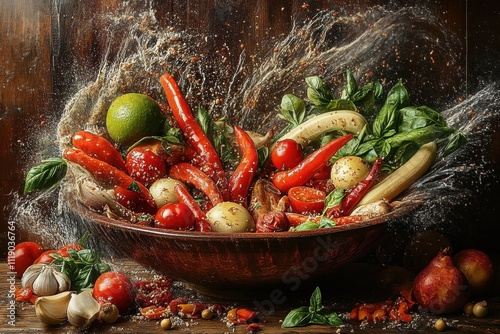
(270, 322)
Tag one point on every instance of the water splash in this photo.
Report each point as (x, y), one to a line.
(379, 43)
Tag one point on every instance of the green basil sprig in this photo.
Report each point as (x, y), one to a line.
(314, 314)
(82, 267)
(46, 175)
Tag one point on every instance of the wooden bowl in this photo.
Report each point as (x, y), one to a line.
(220, 262)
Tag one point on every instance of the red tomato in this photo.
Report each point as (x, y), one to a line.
(286, 154)
(116, 288)
(45, 257)
(306, 199)
(25, 253)
(175, 216)
(63, 251)
(145, 166)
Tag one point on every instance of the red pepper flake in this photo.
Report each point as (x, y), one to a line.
(25, 295)
(153, 312)
(156, 292)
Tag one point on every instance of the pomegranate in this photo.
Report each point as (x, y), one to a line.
(441, 287)
(477, 268)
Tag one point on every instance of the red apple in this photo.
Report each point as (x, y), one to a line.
(477, 268)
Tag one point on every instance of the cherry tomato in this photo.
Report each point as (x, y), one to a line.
(286, 154)
(175, 216)
(63, 251)
(25, 253)
(45, 257)
(306, 199)
(145, 166)
(116, 288)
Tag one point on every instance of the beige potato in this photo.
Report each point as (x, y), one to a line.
(348, 171)
(230, 217)
(163, 192)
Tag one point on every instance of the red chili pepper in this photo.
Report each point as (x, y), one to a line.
(201, 221)
(109, 175)
(98, 147)
(190, 174)
(194, 134)
(241, 179)
(354, 196)
(295, 219)
(308, 167)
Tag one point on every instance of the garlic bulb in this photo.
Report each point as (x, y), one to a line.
(45, 280)
(83, 309)
(52, 310)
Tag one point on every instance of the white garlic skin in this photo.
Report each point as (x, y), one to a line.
(83, 309)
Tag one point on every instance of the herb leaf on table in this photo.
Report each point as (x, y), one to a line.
(314, 314)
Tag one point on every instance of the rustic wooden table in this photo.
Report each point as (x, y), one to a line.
(340, 301)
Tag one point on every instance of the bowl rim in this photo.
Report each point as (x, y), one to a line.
(399, 209)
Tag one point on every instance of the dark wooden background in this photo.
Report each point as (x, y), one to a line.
(42, 42)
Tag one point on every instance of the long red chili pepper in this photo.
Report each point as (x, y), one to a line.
(201, 221)
(350, 200)
(241, 179)
(312, 164)
(98, 147)
(110, 175)
(194, 134)
(190, 174)
(295, 219)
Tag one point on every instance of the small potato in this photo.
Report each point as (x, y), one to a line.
(348, 171)
(163, 192)
(230, 217)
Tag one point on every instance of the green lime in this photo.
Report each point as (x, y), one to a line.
(133, 116)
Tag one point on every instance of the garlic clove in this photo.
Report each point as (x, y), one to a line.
(52, 310)
(83, 309)
(63, 281)
(45, 284)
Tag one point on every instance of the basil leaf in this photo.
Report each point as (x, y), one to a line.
(350, 87)
(293, 109)
(316, 303)
(387, 121)
(456, 140)
(419, 117)
(334, 198)
(332, 319)
(297, 317)
(339, 104)
(306, 226)
(46, 175)
(317, 92)
(262, 154)
(326, 223)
